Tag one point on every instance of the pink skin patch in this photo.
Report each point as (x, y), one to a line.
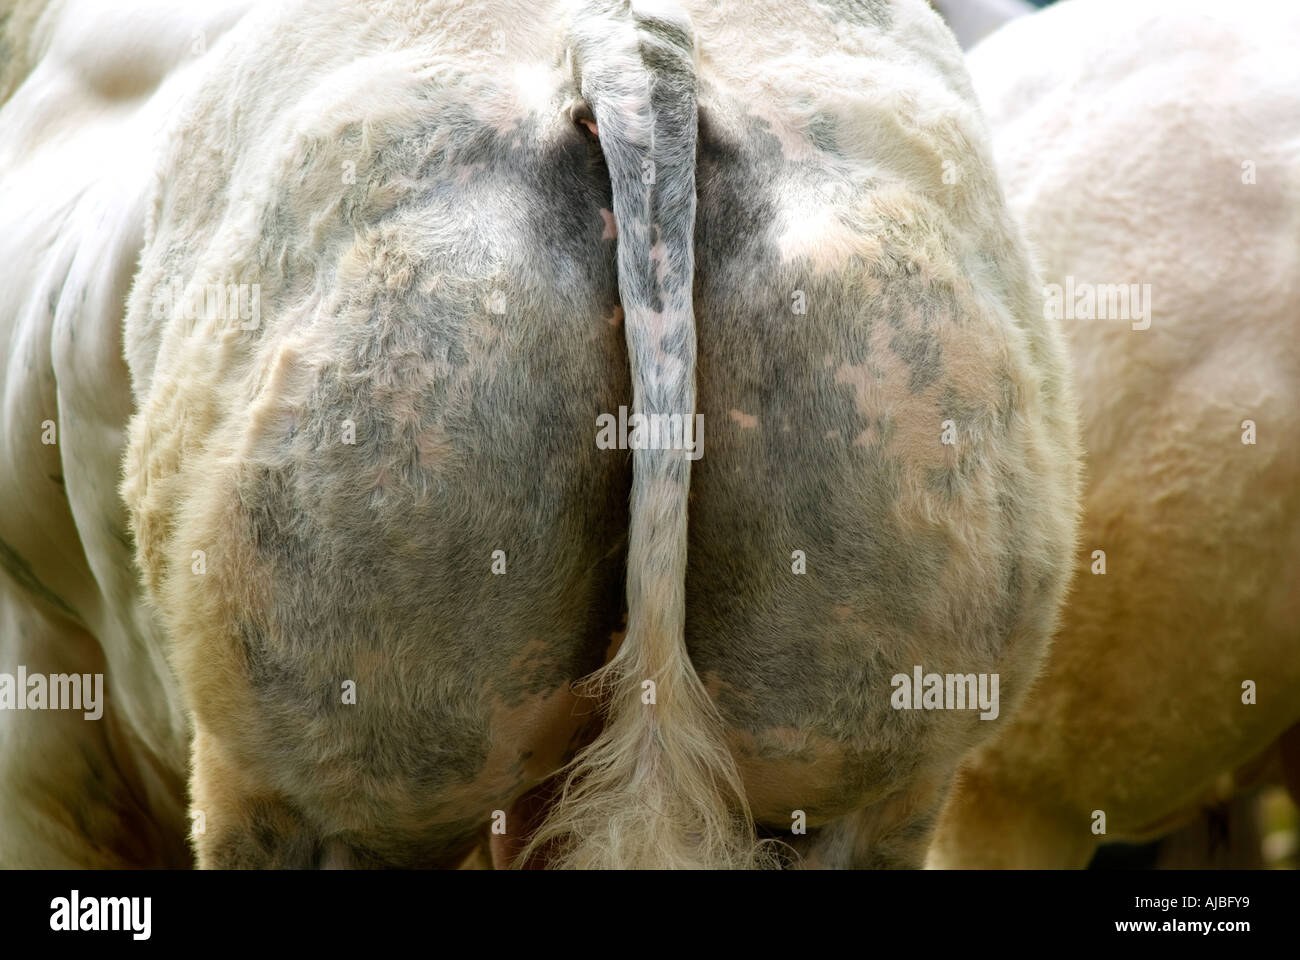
(615, 319)
(611, 228)
(659, 257)
(747, 421)
(590, 126)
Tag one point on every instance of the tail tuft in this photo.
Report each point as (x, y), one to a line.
(658, 788)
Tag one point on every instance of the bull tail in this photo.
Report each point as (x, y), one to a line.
(658, 788)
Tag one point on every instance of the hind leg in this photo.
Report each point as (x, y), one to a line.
(893, 833)
(888, 485)
(983, 827)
